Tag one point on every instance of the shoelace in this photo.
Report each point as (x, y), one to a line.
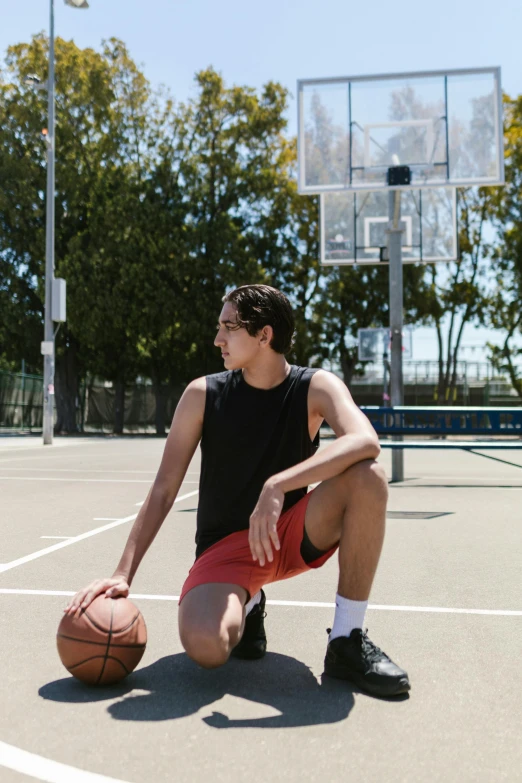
(371, 651)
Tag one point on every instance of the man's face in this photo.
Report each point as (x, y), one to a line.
(238, 348)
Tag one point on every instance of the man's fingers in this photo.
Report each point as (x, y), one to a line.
(76, 601)
(267, 546)
(251, 542)
(253, 537)
(263, 539)
(256, 547)
(120, 589)
(85, 597)
(272, 532)
(91, 595)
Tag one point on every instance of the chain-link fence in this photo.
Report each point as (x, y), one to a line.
(476, 384)
(21, 401)
(97, 403)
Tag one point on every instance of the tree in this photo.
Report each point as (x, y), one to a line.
(231, 176)
(159, 209)
(505, 311)
(22, 220)
(159, 231)
(358, 297)
(103, 261)
(458, 293)
(101, 101)
(285, 239)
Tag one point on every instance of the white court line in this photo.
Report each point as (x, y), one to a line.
(49, 456)
(455, 486)
(40, 447)
(306, 604)
(409, 485)
(88, 481)
(45, 769)
(438, 476)
(75, 539)
(55, 536)
(88, 470)
(431, 477)
(142, 501)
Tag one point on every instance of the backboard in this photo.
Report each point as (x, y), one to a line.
(353, 226)
(445, 125)
(374, 343)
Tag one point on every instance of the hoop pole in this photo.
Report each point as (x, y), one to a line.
(48, 395)
(396, 319)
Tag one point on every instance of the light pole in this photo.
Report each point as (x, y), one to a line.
(48, 344)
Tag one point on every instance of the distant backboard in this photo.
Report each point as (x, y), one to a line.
(445, 125)
(374, 344)
(354, 225)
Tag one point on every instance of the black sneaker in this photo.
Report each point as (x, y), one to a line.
(253, 642)
(358, 659)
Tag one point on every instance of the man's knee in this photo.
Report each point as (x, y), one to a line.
(367, 476)
(209, 647)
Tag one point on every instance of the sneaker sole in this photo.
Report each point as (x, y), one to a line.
(249, 655)
(395, 688)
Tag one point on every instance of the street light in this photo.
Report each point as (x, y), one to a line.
(54, 310)
(33, 81)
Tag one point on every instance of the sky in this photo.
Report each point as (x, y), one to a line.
(251, 43)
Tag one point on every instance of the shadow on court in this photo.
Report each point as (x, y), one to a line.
(179, 688)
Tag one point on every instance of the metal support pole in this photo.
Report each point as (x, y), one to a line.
(23, 392)
(385, 372)
(48, 405)
(396, 316)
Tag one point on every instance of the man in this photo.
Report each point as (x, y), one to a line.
(258, 423)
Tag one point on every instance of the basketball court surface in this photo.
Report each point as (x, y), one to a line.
(446, 605)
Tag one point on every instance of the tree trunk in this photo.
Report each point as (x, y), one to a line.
(348, 362)
(119, 406)
(160, 415)
(66, 378)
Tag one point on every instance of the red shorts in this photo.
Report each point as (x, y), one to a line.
(230, 560)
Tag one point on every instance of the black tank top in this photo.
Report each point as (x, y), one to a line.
(248, 435)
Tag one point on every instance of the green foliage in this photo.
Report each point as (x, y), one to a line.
(458, 293)
(22, 219)
(163, 207)
(159, 210)
(505, 311)
(357, 297)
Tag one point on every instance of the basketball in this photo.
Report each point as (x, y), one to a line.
(104, 643)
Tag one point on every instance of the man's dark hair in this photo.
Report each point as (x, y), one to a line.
(261, 305)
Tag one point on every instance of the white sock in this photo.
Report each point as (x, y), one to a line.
(348, 615)
(253, 602)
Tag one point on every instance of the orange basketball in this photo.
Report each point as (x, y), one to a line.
(104, 643)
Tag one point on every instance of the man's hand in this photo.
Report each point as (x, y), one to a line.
(114, 587)
(263, 523)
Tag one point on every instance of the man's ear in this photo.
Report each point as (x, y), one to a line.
(266, 335)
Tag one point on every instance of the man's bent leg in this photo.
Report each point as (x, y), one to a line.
(211, 620)
(350, 509)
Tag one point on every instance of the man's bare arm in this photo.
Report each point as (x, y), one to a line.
(182, 441)
(329, 399)
(356, 439)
